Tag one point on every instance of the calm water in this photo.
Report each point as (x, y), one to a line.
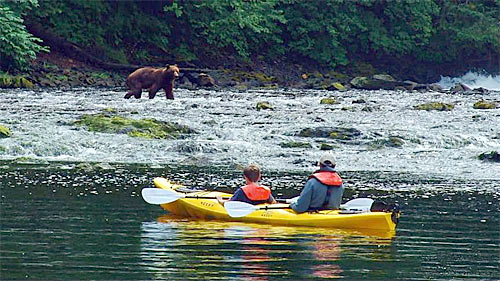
(60, 223)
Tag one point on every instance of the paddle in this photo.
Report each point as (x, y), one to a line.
(238, 209)
(165, 196)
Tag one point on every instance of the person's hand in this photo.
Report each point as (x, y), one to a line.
(220, 200)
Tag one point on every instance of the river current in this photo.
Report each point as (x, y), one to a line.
(230, 131)
(60, 221)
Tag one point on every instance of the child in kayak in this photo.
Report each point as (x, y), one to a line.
(323, 190)
(252, 192)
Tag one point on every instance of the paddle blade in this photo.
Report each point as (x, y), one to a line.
(160, 196)
(358, 204)
(237, 209)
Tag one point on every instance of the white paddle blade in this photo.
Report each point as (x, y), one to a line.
(358, 204)
(160, 196)
(237, 209)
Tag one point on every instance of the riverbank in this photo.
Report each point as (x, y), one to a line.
(54, 70)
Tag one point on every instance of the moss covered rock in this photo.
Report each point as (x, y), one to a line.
(143, 128)
(5, 132)
(263, 105)
(485, 105)
(293, 144)
(18, 81)
(327, 146)
(435, 106)
(328, 101)
(392, 141)
(336, 133)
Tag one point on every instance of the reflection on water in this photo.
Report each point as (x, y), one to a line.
(64, 224)
(182, 248)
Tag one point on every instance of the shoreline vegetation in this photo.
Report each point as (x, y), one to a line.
(328, 45)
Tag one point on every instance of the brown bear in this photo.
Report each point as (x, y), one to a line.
(152, 79)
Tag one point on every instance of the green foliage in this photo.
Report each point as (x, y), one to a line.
(117, 30)
(465, 30)
(328, 33)
(17, 46)
(246, 27)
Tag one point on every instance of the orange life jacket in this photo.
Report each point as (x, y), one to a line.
(256, 192)
(328, 178)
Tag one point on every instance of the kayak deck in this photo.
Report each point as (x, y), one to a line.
(210, 209)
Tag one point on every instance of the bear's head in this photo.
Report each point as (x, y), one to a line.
(173, 70)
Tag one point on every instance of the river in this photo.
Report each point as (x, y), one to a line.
(59, 221)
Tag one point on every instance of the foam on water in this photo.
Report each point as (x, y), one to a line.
(472, 80)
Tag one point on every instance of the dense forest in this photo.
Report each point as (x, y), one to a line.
(418, 38)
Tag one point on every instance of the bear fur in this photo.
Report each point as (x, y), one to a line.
(152, 79)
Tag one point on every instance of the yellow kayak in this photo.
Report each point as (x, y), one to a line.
(203, 205)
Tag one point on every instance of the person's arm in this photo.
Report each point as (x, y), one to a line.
(304, 201)
(235, 197)
(271, 199)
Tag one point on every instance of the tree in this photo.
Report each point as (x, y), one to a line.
(17, 45)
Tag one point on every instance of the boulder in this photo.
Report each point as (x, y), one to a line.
(376, 82)
(5, 132)
(493, 156)
(485, 105)
(435, 106)
(144, 128)
(336, 133)
(459, 88)
(336, 86)
(294, 144)
(328, 101)
(205, 80)
(263, 105)
(327, 146)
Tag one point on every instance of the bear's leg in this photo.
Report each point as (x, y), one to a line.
(133, 92)
(153, 90)
(169, 91)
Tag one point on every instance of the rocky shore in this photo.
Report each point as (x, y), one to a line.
(61, 72)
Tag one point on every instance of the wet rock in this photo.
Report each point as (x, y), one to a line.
(410, 85)
(336, 86)
(345, 133)
(103, 166)
(198, 161)
(205, 80)
(359, 82)
(359, 101)
(30, 161)
(293, 144)
(327, 146)
(17, 81)
(435, 87)
(320, 132)
(192, 147)
(376, 82)
(263, 105)
(392, 141)
(485, 105)
(492, 156)
(84, 167)
(459, 88)
(144, 128)
(5, 132)
(435, 106)
(328, 101)
(480, 91)
(337, 133)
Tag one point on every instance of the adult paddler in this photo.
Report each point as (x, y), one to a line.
(323, 190)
